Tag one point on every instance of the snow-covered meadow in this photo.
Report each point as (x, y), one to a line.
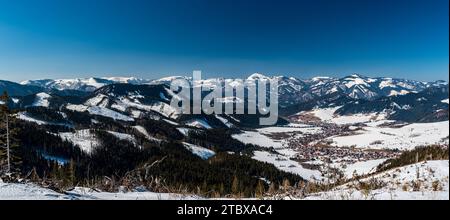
(404, 138)
(328, 115)
(84, 139)
(263, 136)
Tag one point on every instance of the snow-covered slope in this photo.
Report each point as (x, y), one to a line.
(123, 136)
(425, 180)
(262, 136)
(284, 163)
(362, 87)
(198, 123)
(202, 152)
(329, 115)
(144, 132)
(96, 110)
(361, 168)
(125, 102)
(404, 138)
(26, 117)
(42, 99)
(84, 139)
(16, 191)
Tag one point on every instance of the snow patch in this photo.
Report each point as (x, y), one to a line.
(355, 81)
(123, 136)
(386, 83)
(144, 132)
(171, 122)
(84, 139)
(99, 100)
(198, 123)
(24, 116)
(42, 100)
(184, 131)
(96, 110)
(328, 115)
(396, 93)
(160, 107)
(202, 152)
(287, 165)
(224, 121)
(77, 108)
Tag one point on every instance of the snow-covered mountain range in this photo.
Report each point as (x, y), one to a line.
(353, 94)
(82, 84)
(355, 86)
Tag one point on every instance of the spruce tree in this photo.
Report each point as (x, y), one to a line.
(259, 193)
(235, 186)
(71, 172)
(272, 188)
(3, 133)
(9, 148)
(286, 184)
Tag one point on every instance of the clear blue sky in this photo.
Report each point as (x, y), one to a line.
(230, 38)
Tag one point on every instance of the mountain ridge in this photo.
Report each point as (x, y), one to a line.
(355, 85)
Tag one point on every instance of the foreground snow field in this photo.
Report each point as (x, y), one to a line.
(12, 191)
(427, 180)
(28, 191)
(380, 195)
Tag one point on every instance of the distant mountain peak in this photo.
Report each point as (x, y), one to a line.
(356, 75)
(258, 76)
(320, 78)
